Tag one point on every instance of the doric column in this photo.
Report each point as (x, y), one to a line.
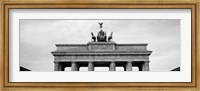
(112, 66)
(74, 66)
(56, 66)
(145, 66)
(90, 66)
(129, 66)
(61, 67)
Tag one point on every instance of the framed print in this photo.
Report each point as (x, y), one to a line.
(122, 52)
(100, 45)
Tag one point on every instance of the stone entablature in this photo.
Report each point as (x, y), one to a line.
(93, 53)
(132, 47)
(104, 46)
(73, 47)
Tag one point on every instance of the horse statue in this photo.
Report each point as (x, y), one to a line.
(110, 37)
(93, 37)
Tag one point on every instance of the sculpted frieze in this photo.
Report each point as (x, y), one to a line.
(101, 47)
(100, 57)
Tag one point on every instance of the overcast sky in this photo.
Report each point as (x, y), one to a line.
(38, 39)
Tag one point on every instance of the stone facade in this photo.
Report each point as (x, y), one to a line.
(101, 54)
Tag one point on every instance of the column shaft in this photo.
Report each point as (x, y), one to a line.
(56, 66)
(129, 66)
(90, 66)
(74, 66)
(112, 66)
(60, 67)
(145, 66)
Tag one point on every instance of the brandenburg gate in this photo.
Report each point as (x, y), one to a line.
(101, 52)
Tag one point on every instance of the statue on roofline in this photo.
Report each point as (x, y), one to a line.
(110, 37)
(101, 36)
(93, 37)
